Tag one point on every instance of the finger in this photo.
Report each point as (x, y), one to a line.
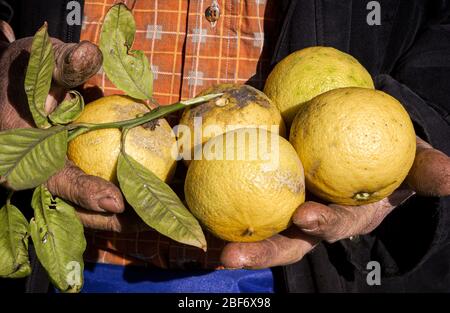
(75, 63)
(6, 32)
(430, 173)
(89, 192)
(126, 222)
(99, 221)
(336, 222)
(281, 249)
(328, 223)
(55, 96)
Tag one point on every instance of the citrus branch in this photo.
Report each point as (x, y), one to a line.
(77, 129)
(8, 199)
(122, 140)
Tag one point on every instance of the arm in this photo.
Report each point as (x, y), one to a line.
(426, 70)
(75, 63)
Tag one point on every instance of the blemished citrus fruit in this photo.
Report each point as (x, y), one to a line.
(245, 190)
(240, 106)
(306, 73)
(151, 144)
(356, 145)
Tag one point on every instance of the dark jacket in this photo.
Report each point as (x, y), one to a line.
(408, 55)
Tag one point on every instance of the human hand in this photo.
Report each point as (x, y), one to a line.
(98, 201)
(313, 222)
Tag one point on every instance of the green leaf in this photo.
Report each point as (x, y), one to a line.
(129, 70)
(30, 156)
(38, 77)
(68, 110)
(14, 232)
(157, 204)
(59, 241)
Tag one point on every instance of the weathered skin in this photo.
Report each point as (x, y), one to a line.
(75, 63)
(100, 201)
(313, 221)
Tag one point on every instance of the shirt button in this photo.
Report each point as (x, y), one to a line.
(212, 13)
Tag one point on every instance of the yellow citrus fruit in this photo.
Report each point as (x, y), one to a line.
(247, 185)
(240, 106)
(306, 73)
(96, 152)
(356, 145)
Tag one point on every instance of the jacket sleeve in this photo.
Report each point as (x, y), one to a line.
(425, 68)
(421, 82)
(420, 227)
(412, 244)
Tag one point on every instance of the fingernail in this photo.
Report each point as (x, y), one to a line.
(109, 204)
(307, 225)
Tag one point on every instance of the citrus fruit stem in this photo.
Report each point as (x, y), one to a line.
(81, 128)
(361, 196)
(249, 231)
(122, 140)
(8, 199)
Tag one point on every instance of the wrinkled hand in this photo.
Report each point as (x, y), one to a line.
(313, 222)
(98, 200)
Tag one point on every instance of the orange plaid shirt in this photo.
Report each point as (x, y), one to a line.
(187, 54)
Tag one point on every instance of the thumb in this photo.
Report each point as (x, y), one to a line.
(6, 32)
(430, 173)
(90, 192)
(75, 64)
(281, 249)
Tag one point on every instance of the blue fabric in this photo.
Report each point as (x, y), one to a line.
(113, 278)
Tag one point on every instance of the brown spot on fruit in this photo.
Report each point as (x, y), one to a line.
(245, 95)
(235, 95)
(201, 109)
(151, 125)
(314, 168)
